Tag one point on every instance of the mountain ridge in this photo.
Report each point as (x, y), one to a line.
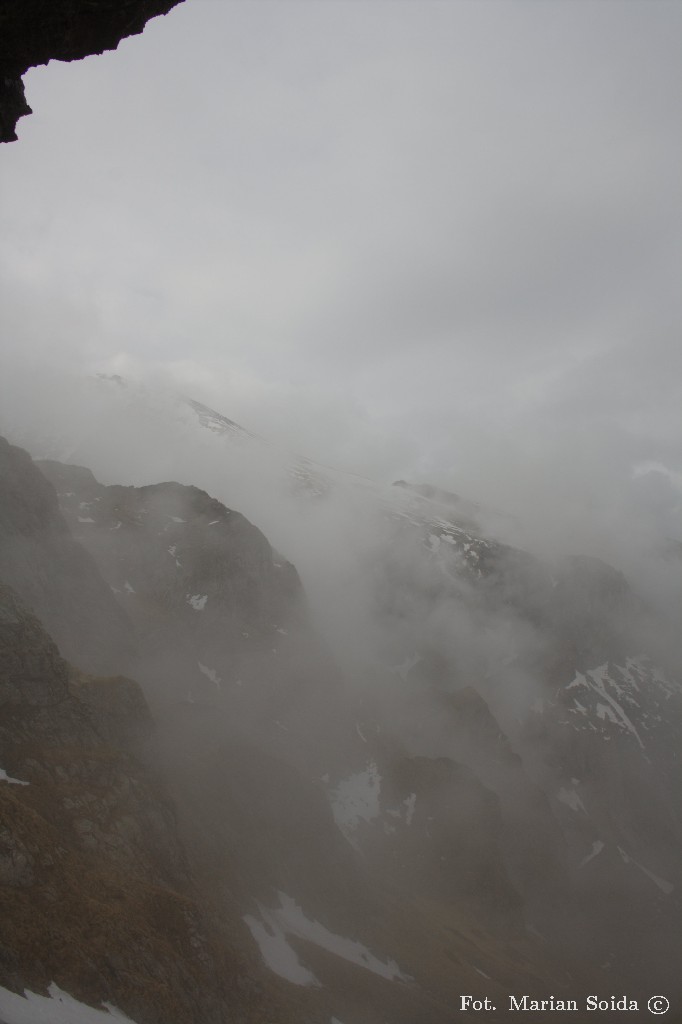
(480, 745)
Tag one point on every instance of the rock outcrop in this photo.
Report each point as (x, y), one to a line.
(34, 32)
(218, 615)
(55, 575)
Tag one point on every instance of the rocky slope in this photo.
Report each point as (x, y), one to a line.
(438, 804)
(95, 888)
(299, 919)
(373, 848)
(35, 32)
(219, 617)
(56, 577)
(221, 622)
(568, 664)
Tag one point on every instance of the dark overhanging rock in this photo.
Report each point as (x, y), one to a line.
(33, 32)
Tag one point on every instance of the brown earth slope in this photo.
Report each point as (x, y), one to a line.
(95, 891)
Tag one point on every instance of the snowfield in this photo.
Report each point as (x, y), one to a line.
(288, 919)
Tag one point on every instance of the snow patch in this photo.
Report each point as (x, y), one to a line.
(596, 680)
(410, 804)
(277, 953)
(198, 601)
(571, 799)
(4, 777)
(406, 667)
(604, 712)
(57, 1008)
(597, 847)
(130, 589)
(664, 886)
(296, 923)
(210, 673)
(356, 799)
(289, 919)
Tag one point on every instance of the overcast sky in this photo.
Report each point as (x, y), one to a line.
(439, 240)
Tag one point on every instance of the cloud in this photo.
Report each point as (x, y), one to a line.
(435, 241)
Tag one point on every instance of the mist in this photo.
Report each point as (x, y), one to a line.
(382, 588)
(389, 247)
(365, 319)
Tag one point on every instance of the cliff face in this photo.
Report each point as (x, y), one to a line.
(221, 622)
(34, 32)
(218, 615)
(95, 891)
(53, 574)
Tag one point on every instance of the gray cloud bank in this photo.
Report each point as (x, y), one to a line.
(432, 241)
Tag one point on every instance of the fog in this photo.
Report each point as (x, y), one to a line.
(435, 243)
(381, 586)
(440, 244)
